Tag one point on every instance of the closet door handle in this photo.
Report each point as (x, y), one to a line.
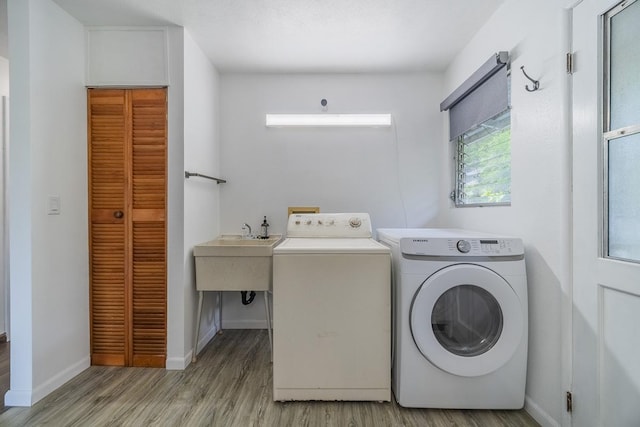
(118, 214)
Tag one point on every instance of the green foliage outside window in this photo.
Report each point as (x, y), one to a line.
(484, 163)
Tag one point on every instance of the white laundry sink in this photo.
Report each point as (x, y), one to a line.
(234, 263)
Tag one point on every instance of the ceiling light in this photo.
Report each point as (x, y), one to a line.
(321, 120)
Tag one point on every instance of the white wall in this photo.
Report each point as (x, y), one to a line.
(129, 56)
(179, 310)
(192, 143)
(4, 76)
(391, 173)
(4, 282)
(535, 34)
(175, 196)
(49, 263)
(201, 197)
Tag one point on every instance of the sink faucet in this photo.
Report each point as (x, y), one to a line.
(246, 226)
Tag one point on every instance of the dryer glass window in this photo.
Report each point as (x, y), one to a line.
(467, 320)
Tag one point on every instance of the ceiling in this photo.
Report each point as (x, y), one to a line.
(307, 35)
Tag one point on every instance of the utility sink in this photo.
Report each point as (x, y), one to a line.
(234, 263)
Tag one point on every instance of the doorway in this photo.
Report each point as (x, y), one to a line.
(606, 260)
(127, 131)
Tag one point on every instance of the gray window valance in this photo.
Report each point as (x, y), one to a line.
(480, 97)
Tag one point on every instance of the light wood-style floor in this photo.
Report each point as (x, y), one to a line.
(230, 385)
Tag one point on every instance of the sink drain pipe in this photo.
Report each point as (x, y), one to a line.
(246, 301)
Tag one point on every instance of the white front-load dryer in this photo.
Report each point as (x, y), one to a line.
(460, 319)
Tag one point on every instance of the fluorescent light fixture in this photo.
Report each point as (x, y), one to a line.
(322, 120)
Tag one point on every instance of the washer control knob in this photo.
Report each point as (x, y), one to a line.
(463, 246)
(308, 222)
(355, 222)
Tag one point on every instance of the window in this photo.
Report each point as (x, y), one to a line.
(483, 164)
(480, 128)
(621, 133)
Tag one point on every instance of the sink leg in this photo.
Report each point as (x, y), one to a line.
(194, 356)
(266, 307)
(220, 308)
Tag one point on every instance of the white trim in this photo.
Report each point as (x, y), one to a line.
(18, 398)
(5, 217)
(178, 363)
(566, 307)
(570, 4)
(544, 419)
(244, 324)
(30, 397)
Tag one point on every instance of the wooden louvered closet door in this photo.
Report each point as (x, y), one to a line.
(127, 234)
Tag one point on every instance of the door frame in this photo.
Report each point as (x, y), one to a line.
(595, 278)
(5, 217)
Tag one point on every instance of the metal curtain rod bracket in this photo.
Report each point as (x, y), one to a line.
(536, 83)
(190, 174)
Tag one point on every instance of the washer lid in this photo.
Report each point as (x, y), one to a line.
(316, 245)
(467, 320)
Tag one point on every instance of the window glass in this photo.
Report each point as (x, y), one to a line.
(467, 320)
(624, 67)
(621, 136)
(624, 197)
(483, 163)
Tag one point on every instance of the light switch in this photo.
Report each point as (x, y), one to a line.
(53, 205)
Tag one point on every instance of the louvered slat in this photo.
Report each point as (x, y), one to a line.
(127, 172)
(149, 147)
(149, 292)
(149, 150)
(107, 244)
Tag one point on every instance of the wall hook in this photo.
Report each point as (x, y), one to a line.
(536, 83)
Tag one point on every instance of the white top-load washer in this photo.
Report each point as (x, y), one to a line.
(331, 310)
(460, 319)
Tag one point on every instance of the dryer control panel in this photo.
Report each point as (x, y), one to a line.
(462, 247)
(329, 225)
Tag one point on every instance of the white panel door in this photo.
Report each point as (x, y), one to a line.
(606, 286)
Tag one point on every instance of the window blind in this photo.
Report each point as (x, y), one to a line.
(482, 96)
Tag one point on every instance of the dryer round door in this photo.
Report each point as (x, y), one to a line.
(467, 320)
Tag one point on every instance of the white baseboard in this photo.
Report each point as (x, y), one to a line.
(543, 418)
(181, 363)
(29, 397)
(178, 363)
(17, 398)
(61, 378)
(244, 324)
(205, 339)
